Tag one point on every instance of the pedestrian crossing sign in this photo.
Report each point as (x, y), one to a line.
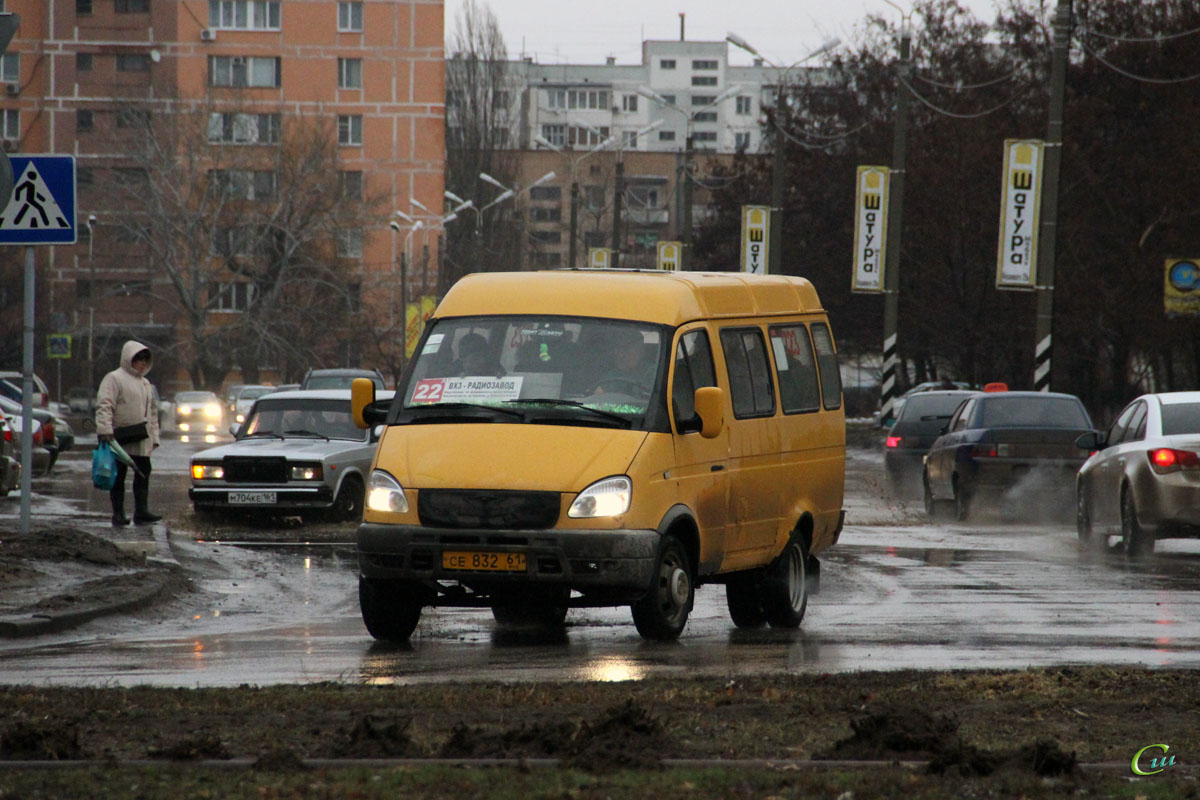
(41, 209)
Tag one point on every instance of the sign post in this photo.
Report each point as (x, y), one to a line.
(669, 255)
(41, 210)
(599, 257)
(756, 225)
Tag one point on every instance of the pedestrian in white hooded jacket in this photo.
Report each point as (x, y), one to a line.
(125, 403)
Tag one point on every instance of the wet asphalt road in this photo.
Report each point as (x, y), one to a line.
(897, 592)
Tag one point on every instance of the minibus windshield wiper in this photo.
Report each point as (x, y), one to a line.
(554, 401)
(482, 406)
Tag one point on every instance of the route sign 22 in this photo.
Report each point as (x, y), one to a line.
(41, 209)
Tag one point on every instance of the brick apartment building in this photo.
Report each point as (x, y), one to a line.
(374, 69)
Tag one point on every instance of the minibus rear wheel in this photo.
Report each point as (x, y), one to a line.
(390, 609)
(663, 611)
(744, 597)
(785, 586)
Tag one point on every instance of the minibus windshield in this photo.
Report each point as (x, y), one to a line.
(591, 371)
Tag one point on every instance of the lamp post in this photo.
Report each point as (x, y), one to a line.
(508, 192)
(396, 227)
(573, 163)
(779, 161)
(91, 368)
(686, 190)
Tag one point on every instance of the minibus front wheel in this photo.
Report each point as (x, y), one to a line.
(390, 608)
(663, 611)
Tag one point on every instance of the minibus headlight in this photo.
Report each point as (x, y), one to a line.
(385, 494)
(609, 497)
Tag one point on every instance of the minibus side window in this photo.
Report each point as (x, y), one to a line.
(831, 378)
(749, 374)
(795, 369)
(693, 370)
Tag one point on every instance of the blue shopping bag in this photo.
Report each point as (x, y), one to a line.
(104, 467)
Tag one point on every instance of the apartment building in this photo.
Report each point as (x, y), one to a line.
(373, 70)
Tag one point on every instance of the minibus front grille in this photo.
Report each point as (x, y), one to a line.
(486, 509)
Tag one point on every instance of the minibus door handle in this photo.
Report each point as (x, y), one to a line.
(717, 467)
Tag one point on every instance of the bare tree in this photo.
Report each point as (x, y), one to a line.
(244, 211)
(480, 126)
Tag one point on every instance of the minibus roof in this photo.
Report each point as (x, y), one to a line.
(656, 296)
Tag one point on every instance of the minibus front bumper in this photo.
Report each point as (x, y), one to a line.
(610, 559)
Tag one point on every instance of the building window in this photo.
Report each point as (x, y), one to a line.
(350, 16)
(704, 64)
(231, 128)
(705, 136)
(546, 193)
(546, 237)
(579, 136)
(84, 176)
(241, 71)
(745, 104)
(232, 296)
(545, 214)
(555, 134)
(629, 139)
(350, 243)
(131, 176)
(244, 184)
(595, 239)
(131, 6)
(704, 80)
(705, 116)
(83, 62)
(133, 62)
(666, 63)
(83, 7)
(548, 260)
(350, 184)
(669, 98)
(703, 99)
(244, 14)
(10, 67)
(741, 141)
(84, 122)
(666, 136)
(133, 118)
(12, 124)
(629, 102)
(350, 129)
(349, 73)
(579, 99)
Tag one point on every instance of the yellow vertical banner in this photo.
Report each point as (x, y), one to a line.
(870, 228)
(669, 255)
(412, 327)
(756, 233)
(1181, 287)
(599, 257)
(1020, 210)
(428, 306)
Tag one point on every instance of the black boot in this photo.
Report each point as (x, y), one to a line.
(141, 494)
(117, 496)
(119, 518)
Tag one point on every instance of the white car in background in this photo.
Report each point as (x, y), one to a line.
(245, 397)
(299, 452)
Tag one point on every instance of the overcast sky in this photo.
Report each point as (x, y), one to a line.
(587, 31)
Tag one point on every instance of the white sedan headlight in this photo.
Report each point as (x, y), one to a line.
(384, 493)
(608, 497)
(212, 411)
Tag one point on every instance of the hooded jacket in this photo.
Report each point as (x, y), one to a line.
(126, 398)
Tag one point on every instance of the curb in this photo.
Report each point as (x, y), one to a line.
(151, 584)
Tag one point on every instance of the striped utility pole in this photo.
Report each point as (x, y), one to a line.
(1044, 327)
(895, 211)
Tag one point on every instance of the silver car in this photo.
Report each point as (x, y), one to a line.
(298, 452)
(1143, 481)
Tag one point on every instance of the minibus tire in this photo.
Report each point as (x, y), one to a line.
(785, 587)
(743, 594)
(662, 612)
(390, 609)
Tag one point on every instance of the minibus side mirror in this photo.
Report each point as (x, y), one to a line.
(362, 408)
(710, 404)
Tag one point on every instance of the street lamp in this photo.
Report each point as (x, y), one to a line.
(573, 163)
(689, 119)
(91, 368)
(779, 165)
(398, 228)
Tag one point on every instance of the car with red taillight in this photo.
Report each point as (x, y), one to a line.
(1143, 479)
(920, 422)
(1008, 449)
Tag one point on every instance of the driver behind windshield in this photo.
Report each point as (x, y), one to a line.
(629, 372)
(474, 358)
